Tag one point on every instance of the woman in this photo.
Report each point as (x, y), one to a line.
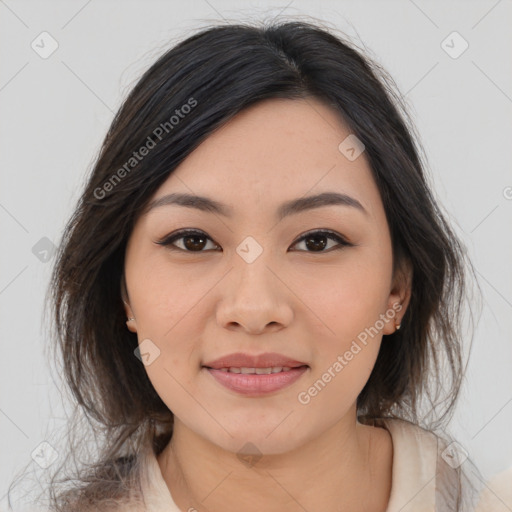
(258, 296)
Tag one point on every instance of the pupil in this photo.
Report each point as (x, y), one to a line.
(194, 246)
(312, 239)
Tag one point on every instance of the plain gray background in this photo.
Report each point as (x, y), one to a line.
(56, 111)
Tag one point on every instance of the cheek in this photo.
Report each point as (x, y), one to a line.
(346, 352)
(175, 386)
(164, 295)
(166, 303)
(347, 297)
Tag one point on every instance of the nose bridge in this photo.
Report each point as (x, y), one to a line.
(252, 264)
(255, 296)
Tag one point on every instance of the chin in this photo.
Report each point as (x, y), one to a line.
(256, 442)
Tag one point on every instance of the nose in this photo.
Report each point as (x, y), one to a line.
(255, 298)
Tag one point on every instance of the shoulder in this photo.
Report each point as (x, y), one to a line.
(430, 471)
(414, 464)
(411, 442)
(497, 494)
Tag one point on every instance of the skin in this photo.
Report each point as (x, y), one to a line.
(294, 300)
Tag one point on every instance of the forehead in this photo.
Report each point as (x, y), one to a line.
(276, 150)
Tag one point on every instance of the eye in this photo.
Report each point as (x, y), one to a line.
(195, 241)
(317, 240)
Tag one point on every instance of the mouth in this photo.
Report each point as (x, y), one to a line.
(255, 375)
(256, 371)
(257, 381)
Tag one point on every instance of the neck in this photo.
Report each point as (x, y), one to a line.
(347, 468)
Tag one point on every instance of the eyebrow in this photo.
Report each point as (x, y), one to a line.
(292, 207)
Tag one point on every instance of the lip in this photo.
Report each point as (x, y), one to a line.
(255, 384)
(242, 360)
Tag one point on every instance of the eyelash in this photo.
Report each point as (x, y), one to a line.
(168, 241)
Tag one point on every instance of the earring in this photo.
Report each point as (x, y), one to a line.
(129, 319)
(397, 327)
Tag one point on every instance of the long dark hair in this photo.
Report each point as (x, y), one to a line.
(188, 93)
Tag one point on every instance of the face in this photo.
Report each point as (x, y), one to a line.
(249, 281)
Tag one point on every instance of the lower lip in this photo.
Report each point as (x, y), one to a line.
(254, 384)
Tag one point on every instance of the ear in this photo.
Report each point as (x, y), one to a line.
(130, 322)
(399, 297)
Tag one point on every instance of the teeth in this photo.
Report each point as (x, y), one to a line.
(262, 371)
(257, 371)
